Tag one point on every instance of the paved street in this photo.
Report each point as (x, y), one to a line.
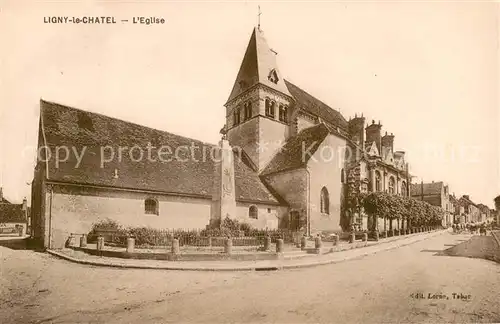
(38, 288)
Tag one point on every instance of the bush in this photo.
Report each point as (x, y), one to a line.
(106, 224)
(147, 236)
(245, 227)
(230, 224)
(229, 228)
(113, 231)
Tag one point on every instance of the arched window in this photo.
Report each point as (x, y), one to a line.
(283, 114)
(392, 186)
(378, 181)
(248, 110)
(270, 107)
(236, 116)
(404, 191)
(342, 176)
(151, 206)
(253, 212)
(325, 201)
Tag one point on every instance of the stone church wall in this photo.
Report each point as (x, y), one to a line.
(325, 167)
(245, 137)
(75, 209)
(292, 186)
(268, 216)
(270, 134)
(273, 136)
(38, 221)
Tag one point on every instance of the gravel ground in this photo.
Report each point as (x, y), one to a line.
(391, 286)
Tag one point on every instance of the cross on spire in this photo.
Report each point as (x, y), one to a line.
(258, 16)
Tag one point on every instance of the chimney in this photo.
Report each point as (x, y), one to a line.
(223, 195)
(373, 134)
(388, 141)
(25, 204)
(399, 154)
(357, 132)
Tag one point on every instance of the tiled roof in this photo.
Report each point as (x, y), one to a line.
(316, 107)
(465, 201)
(433, 188)
(291, 155)
(483, 208)
(191, 173)
(12, 213)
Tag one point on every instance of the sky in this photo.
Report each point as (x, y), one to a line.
(427, 70)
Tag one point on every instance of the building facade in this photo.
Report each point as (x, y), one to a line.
(14, 218)
(484, 213)
(285, 160)
(458, 210)
(436, 194)
(373, 166)
(472, 213)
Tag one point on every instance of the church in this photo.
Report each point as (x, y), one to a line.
(285, 160)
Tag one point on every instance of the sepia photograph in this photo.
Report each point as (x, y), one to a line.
(249, 161)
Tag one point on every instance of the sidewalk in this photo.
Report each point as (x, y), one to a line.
(263, 265)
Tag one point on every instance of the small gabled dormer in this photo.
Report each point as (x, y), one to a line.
(373, 150)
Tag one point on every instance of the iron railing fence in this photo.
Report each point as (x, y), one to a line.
(194, 238)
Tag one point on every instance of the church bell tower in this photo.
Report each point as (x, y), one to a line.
(258, 110)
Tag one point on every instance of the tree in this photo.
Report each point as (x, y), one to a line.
(415, 212)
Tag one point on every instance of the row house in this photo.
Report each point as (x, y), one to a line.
(458, 209)
(471, 213)
(466, 211)
(484, 212)
(436, 194)
(13, 216)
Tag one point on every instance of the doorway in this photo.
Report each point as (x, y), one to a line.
(294, 221)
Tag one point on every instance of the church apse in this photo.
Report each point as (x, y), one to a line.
(325, 172)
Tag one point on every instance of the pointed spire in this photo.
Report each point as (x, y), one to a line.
(258, 66)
